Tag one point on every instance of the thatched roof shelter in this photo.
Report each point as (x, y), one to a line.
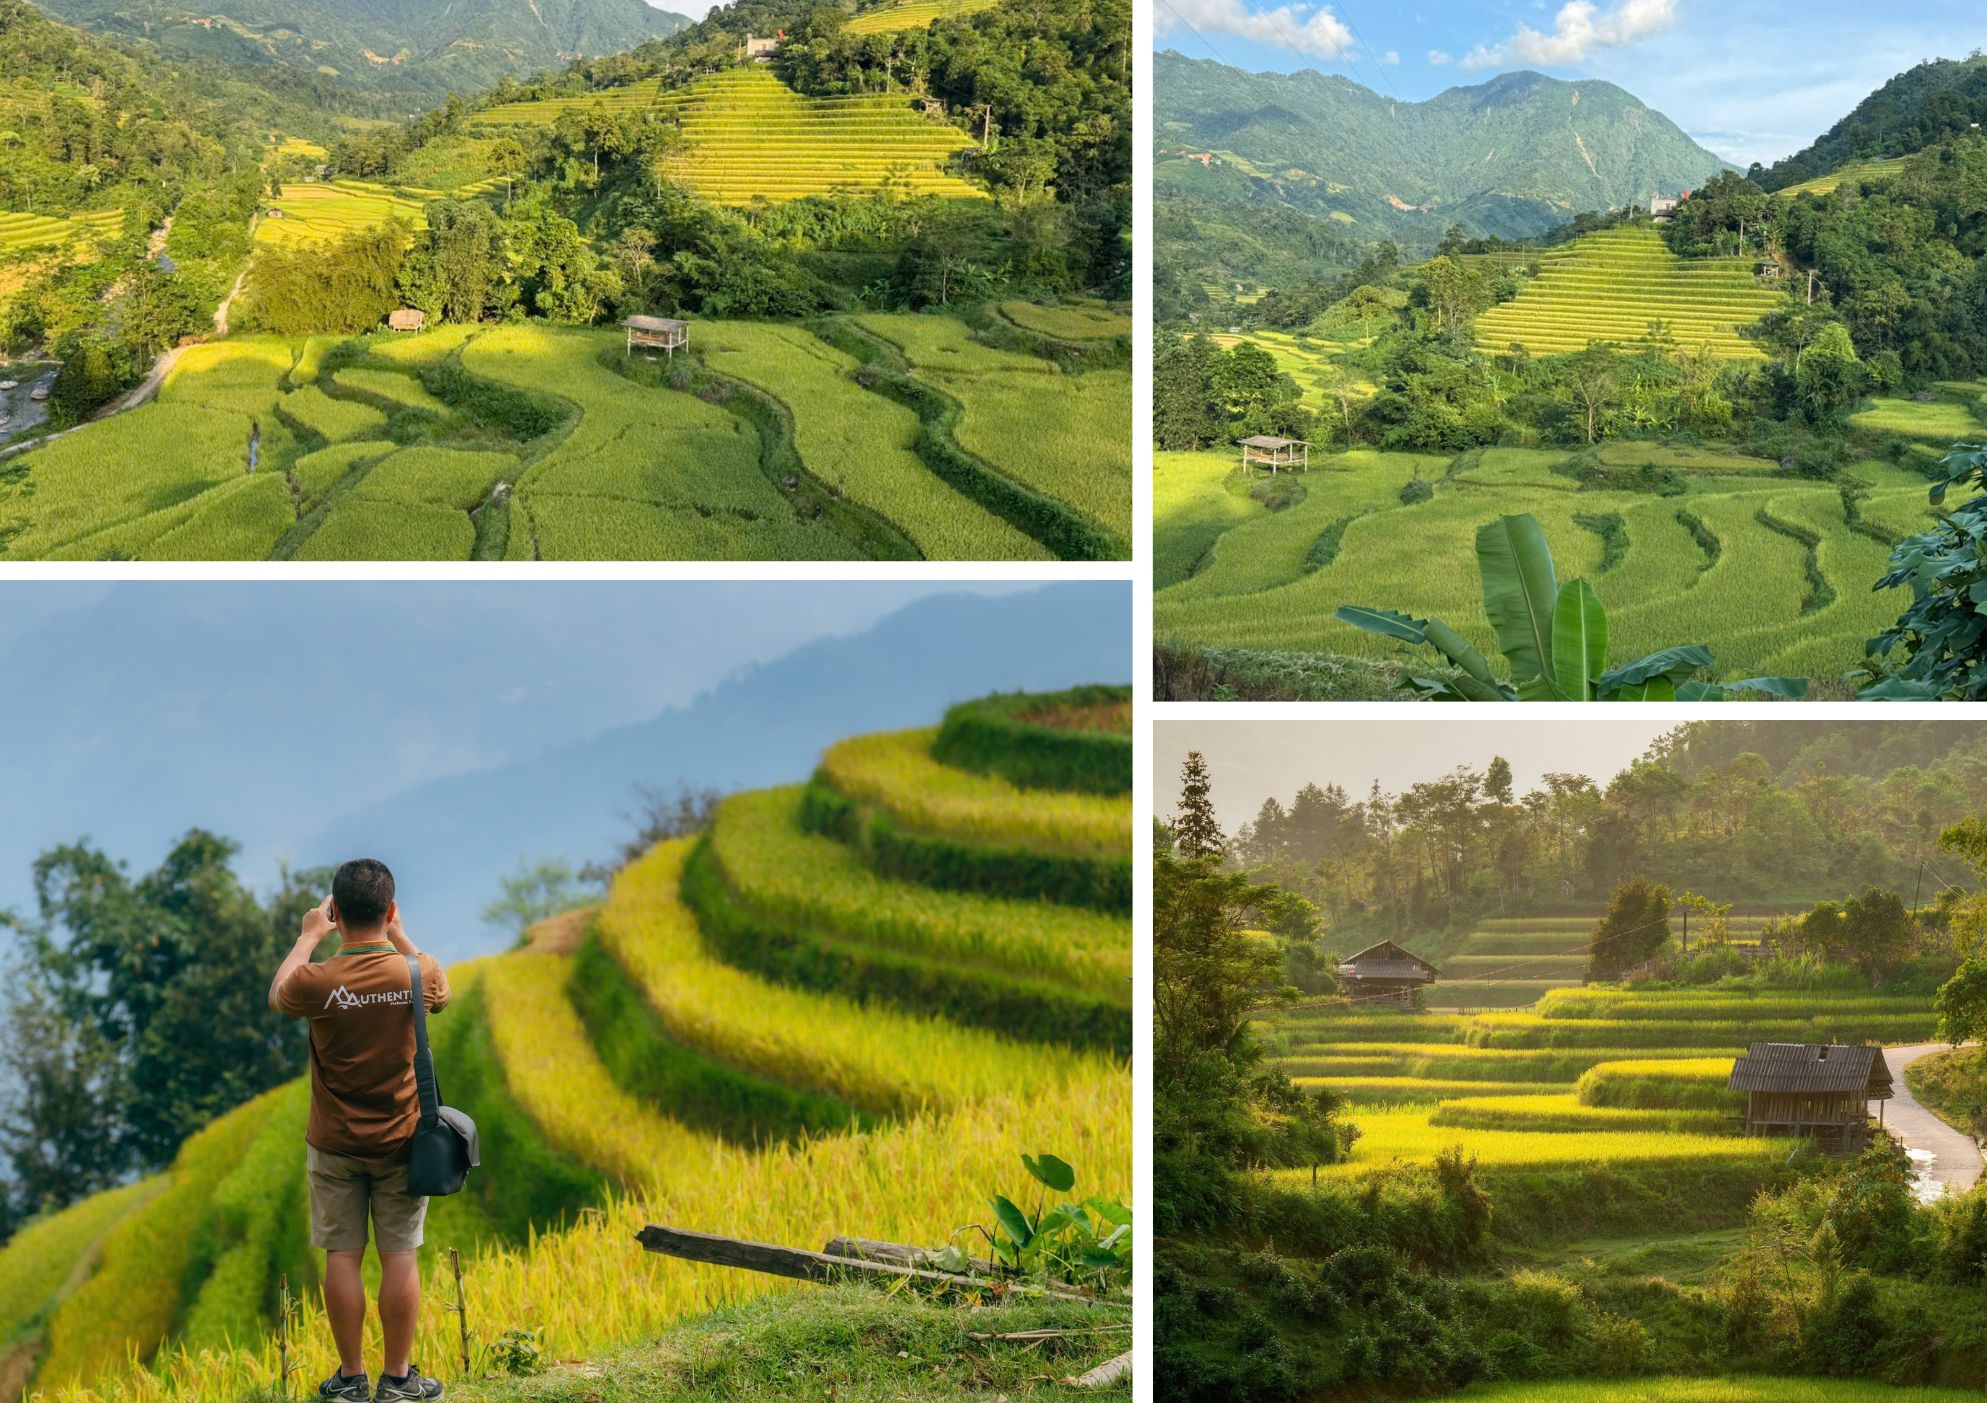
(1269, 451)
(657, 333)
(406, 319)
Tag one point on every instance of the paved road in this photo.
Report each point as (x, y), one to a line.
(1955, 1158)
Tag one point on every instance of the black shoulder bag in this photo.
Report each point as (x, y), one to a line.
(444, 1148)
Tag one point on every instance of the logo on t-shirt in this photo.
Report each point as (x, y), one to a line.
(344, 998)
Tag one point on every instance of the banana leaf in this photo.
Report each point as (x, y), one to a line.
(1520, 591)
(1579, 640)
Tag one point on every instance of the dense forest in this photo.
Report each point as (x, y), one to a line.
(1817, 810)
(1929, 104)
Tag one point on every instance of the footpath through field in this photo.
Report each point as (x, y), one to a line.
(1954, 1160)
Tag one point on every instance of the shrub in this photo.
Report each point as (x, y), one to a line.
(995, 735)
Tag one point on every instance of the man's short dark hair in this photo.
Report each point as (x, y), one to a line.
(362, 891)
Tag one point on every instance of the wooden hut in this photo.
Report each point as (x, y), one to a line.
(406, 319)
(1268, 451)
(657, 333)
(1819, 1090)
(1385, 971)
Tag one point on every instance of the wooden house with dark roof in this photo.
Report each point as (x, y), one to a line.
(1385, 971)
(1819, 1090)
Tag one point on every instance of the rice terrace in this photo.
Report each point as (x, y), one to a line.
(843, 1012)
(1712, 1125)
(905, 312)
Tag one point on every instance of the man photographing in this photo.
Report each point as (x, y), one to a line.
(363, 1112)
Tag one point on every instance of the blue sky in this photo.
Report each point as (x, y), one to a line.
(1749, 79)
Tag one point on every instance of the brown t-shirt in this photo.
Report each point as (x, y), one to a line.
(362, 1097)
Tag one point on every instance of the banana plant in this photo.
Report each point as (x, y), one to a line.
(1554, 637)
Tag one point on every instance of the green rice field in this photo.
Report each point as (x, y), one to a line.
(912, 14)
(1612, 285)
(525, 441)
(1856, 171)
(1772, 573)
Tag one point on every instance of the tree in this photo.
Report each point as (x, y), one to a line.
(537, 891)
(1456, 292)
(1877, 932)
(1830, 376)
(1944, 631)
(1593, 377)
(1962, 1005)
(507, 160)
(163, 974)
(1635, 928)
(1187, 412)
(1196, 831)
(460, 269)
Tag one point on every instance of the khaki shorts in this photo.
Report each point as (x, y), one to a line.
(343, 1191)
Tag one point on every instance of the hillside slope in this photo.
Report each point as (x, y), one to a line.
(426, 46)
(1920, 107)
(850, 1009)
(1514, 156)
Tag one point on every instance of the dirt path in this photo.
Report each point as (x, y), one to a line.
(144, 390)
(1940, 1155)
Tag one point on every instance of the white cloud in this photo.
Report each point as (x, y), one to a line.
(1579, 28)
(1304, 29)
(1438, 59)
(1391, 58)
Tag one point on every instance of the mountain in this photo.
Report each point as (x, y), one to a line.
(1512, 157)
(1930, 103)
(416, 47)
(450, 842)
(476, 725)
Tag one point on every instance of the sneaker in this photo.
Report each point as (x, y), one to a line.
(412, 1389)
(351, 1387)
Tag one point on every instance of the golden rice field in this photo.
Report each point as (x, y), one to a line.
(19, 230)
(370, 462)
(310, 212)
(1612, 285)
(1557, 1087)
(912, 14)
(955, 1106)
(1771, 573)
(1740, 1389)
(1075, 321)
(1853, 173)
(896, 772)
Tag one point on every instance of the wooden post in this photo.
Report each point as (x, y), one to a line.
(799, 1265)
(461, 1308)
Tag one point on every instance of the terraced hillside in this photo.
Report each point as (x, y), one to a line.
(23, 231)
(1605, 1078)
(314, 212)
(1773, 573)
(1612, 285)
(1516, 961)
(1834, 180)
(748, 136)
(529, 441)
(912, 14)
(844, 1009)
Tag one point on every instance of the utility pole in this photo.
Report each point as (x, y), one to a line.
(1686, 930)
(1916, 888)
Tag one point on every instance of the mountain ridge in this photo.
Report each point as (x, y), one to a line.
(1494, 156)
(424, 47)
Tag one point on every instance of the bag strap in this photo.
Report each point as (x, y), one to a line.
(424, 1063)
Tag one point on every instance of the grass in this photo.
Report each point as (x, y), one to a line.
(1953, 1086)
(1066, 436)
(1611, 285)
(449, 477)
(1731, 1389)
(895, 772)
(1942, 422)
(1395, 1091)
(397, 390)
(801, 880)
(860, 444)
(1566, 1114)
(844, 1342)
